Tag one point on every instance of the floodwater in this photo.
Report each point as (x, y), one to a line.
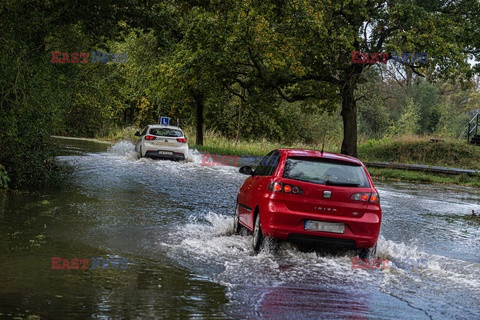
(173, 221)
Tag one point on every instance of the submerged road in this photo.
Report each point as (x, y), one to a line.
(173, 221)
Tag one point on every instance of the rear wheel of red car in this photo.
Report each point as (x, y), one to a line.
(237, 227)
(368, 253)
(257, 234)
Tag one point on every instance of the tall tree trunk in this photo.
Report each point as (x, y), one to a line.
(199, 117)
(409, 74)
(240, 107)
(349, 116)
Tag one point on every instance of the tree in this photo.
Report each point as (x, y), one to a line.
(186, 78)
(303, 49)
(35, 93)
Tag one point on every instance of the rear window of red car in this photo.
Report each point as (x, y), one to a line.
(325, 171)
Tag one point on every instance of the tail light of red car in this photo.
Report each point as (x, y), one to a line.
(182, 140)
(366, 197)
(149, 137)
(285, 188)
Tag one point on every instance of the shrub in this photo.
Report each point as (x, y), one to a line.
(4, 179)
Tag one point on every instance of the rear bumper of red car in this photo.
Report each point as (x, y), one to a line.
(284, 224)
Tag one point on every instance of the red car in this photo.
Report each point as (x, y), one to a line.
(310, 197)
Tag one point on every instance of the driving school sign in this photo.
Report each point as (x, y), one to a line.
(164, 121)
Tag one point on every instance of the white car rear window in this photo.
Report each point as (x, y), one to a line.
(166, 132)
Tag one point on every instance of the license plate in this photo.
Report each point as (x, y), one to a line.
(165, 144)
(334, 227)
(169, 153)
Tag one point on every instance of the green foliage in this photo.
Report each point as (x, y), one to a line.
(422, 101)
(38, 97)
(273, 70)
(391, 107)
(374, 120)
(31, 105)
(452, 123)
(4, 179)
(408, 123)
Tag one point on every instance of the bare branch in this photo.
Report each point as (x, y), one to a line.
(235, 93)
(412, 67)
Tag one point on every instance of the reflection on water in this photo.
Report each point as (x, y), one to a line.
(172, 221)
(93, 217)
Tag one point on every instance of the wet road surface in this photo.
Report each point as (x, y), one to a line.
(173, 221)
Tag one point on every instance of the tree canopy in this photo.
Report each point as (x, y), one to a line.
(247, 69)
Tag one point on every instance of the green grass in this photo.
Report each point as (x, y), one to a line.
(473, 218)
(419, 150)
(218, 144)
(422, 177)
(118, 134)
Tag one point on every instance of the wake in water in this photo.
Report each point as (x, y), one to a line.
(126, 149)
(206, 243)
(207, 239)
(188, 209)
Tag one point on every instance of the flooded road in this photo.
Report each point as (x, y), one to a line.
(173, 221)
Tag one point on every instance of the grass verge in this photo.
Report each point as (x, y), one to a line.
(218, 144)
(419, 150)
(422, 177)
(117, 134)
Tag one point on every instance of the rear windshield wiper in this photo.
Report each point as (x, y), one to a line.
(342, 183)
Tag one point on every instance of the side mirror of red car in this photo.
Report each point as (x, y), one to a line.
(246, 170)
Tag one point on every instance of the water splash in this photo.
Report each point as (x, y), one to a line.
(124, 148)
(194, 156)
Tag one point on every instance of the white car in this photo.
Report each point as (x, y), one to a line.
(162, 142)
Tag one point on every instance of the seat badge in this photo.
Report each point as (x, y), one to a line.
(327, 194)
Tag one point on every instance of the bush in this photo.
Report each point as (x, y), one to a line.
(4, 179)
(28, 116)
(408, 123)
